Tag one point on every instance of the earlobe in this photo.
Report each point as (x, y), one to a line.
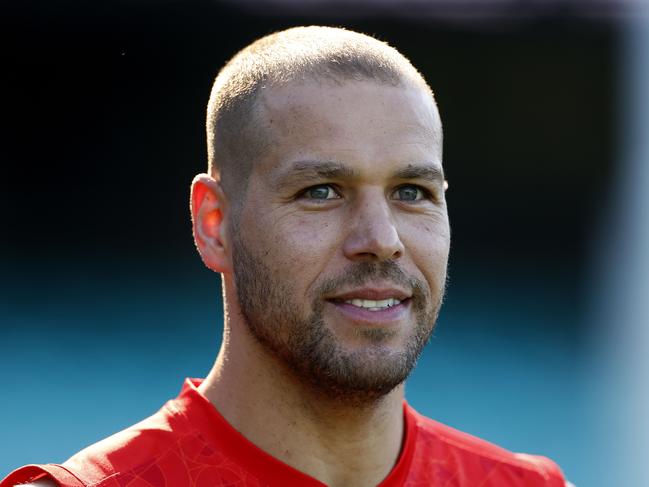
(207, 205)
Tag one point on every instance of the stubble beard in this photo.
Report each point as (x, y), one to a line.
(308, 348)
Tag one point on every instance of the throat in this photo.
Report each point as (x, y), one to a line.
(347, 446)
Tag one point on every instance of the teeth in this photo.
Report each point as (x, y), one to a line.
(372, 305)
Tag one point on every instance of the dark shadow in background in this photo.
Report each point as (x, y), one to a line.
(105, 307)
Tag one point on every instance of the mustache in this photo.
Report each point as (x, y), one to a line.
(361, 273)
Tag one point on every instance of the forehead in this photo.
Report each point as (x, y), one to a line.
(359, 123)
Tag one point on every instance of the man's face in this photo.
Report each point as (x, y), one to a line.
(341, 246)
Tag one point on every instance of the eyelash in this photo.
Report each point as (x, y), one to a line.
(305, 193)
(426, 194)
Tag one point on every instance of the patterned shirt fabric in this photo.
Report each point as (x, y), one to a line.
(189, 444)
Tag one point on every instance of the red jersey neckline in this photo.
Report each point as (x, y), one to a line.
(204, 416)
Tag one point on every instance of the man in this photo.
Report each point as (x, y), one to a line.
(324, 212)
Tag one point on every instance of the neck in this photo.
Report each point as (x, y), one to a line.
(335, 441)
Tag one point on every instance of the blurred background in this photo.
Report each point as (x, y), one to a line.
(105, 306)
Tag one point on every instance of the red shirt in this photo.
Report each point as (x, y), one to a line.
(188, 443)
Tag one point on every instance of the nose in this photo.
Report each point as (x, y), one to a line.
(373, 234)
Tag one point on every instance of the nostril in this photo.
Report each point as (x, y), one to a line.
(376, 239)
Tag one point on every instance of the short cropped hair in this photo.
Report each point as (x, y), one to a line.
(235, 131)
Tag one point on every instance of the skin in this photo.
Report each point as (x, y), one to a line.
(340, 439)
(383, 207)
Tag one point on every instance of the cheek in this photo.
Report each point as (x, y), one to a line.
(305, 243)
(428, 245)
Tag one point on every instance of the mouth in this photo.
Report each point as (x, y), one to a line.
(372, 306)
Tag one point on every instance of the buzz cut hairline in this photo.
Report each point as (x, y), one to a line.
(236, 134)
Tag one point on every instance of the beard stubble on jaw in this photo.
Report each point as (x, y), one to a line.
(310, 350)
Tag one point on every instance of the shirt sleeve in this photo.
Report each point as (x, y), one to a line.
(31, 473)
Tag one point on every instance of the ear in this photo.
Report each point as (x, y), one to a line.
(209, 207)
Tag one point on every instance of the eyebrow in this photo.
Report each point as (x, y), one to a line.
(417, 171)
(326, 169)
(313, 170)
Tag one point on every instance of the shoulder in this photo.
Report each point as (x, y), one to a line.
(133, 449)
(474, 458)
(124, 453)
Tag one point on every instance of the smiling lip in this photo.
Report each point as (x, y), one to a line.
(375, 294)
(372, 317)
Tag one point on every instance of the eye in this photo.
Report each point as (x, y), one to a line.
(321, 192)
(410, 192)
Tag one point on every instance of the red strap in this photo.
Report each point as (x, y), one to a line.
(29, 473)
